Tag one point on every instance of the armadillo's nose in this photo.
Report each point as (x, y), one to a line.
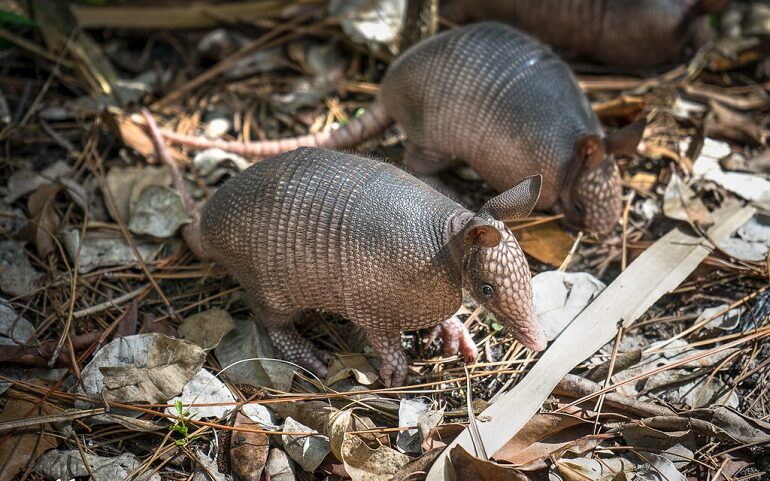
(533, 339)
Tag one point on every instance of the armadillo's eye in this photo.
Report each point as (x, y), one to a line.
(578, 207)
(487, 290)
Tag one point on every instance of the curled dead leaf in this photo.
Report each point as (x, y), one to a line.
(248, 450)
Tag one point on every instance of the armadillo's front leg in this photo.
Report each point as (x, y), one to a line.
(387, 344)
(456, 339)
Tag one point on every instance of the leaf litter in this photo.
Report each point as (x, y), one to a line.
(680, 393)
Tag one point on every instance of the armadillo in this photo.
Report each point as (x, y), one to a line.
(316, 229)
(634, 33)
(496, 98)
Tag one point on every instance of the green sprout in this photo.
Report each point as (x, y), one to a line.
(180, 426)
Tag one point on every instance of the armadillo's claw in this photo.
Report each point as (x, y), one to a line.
(295, 348)
(456, 339)
(388, 346)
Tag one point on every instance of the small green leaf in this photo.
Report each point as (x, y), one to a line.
(179, 408)
(15, 19)
(361, 111)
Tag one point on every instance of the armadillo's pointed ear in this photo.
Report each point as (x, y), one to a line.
(590, 151)
(624, 140)
(481, 233)
(516, 202)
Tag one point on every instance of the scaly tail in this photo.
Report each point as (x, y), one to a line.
(191, 232)
(374, 121)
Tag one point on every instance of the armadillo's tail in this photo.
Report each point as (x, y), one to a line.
(190, 232)
(372, 122)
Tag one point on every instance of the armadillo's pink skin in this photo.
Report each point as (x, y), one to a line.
(324, 230)
(633, 33)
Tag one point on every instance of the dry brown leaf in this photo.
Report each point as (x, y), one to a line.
(727, 124)
(45, 221)
(624, 106)
(643, 181)
(248, 450)
(411, 470)
(355, 365)
(544, 436)
(23, 445)
(362, 462)
(206, 328)
(546, 242)
(469, 467)
(681, 203)
(441, 436)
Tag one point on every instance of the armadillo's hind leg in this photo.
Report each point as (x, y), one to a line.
(456, 338)
(295, 348)
(421, 161)
(393, 366)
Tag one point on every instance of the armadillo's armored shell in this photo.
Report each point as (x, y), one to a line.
(620, 32)
(317, 229)
(493, 96)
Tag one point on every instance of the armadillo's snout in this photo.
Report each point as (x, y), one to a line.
(533, 339)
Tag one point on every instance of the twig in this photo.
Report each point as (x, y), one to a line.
(111, 303)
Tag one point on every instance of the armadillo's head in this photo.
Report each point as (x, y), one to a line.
(495, 270)
(592, 196)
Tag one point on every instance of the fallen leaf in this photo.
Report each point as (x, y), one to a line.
(676, 446)
(279, 466)
(546, 242)
(560, 296)
(752, 240)
(44, 220)
(206, 468)
(17, 276)
(355, 365)
(133, 135)
(314, 414)
(691, 384)
(681, 203)
(371, 23)
(23, 445)
(204, 388)
(545, 436)
(733, 424)
(306, 450)
(119, 181)
(582, 469)
(148, 368)
(250, 341)
(206, 328)
(409, 411)
(159, 212)
(15, 330)
(58, 465)
(751, 187)
(213, 164)
(725, 123)
(362, 462)
(102, 249)
(623, 106)
(248, 451)
(416, 468)
(466, 466)
(644, 181)
(22, 182)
